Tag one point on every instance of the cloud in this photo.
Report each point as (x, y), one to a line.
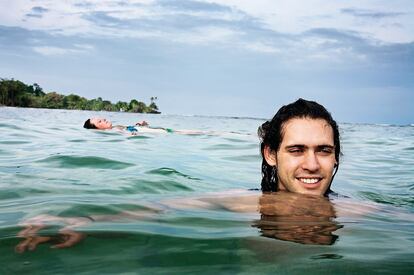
(370, 13)
(263, 48)
(39, 9)
(104, 19)
(206, 35)
(59, 51)
(37, 12)
(84, 4)
(34, 15)
(188, 5)
(14, 38)
(210, 23)
(147, 18)
(232, 24)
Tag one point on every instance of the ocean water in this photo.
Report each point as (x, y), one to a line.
(173, 204)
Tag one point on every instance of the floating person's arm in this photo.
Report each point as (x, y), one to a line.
(146, 128)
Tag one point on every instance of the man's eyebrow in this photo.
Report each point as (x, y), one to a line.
(304, 146)
(326, 146)
(295, 146)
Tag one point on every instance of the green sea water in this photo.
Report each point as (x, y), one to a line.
(189, 201)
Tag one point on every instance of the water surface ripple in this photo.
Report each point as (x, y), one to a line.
(180, 204)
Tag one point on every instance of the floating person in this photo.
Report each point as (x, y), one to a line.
(300, 150)
(140, 127)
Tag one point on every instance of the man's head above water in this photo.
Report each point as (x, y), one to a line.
(300, 148)
(97, 123)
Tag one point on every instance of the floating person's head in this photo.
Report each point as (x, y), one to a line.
(300, 148)
(97, 123)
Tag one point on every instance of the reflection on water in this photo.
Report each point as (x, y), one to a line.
(297, 218)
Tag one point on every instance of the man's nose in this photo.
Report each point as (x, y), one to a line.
(311, 162)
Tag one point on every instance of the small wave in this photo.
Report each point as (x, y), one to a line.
(244, 158)
(77, 140)
(231, 147)
(218, 117)
(112, 140)
(165, 171)
(327, 256)
(236, 140)
(55, 129)
(144, 186)
(10, 126)
(12, 142)
(106, 133)
(79, 209)
(387, 199)
(159, 186)
(375, 142)
(85, 162)
(139, 137)
(17, 193)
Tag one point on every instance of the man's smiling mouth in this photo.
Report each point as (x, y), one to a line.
(309, 180)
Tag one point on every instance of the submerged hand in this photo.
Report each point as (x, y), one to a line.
(67, 237)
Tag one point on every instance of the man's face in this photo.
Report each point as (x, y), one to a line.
(101, 123)
(306, 157)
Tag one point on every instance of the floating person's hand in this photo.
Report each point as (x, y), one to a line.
(142, 123)
(66, 237)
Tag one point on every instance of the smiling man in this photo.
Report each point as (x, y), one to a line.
(300, 148)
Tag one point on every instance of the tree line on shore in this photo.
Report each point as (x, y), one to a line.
(18, 94)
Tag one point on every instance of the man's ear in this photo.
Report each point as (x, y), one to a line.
(270, 156)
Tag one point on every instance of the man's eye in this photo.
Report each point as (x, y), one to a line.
(327, 150)
(295, 150)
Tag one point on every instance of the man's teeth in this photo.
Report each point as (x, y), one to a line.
(309, 181)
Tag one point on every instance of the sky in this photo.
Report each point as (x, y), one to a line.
(219, 57)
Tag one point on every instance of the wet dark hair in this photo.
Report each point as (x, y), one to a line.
(271, 135)
(89, 125)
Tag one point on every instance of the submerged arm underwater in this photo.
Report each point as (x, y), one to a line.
(285, 216)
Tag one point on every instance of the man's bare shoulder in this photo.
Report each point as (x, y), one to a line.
(236, 200)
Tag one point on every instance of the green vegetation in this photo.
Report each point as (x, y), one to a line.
(16, 93)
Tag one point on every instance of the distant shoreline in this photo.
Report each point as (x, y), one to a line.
(40, 108)
(14, 93)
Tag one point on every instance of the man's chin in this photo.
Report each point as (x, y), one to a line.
(311, 188)
(313, 192)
